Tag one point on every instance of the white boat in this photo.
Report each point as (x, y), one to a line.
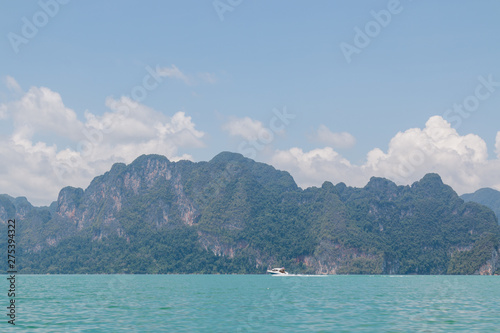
(277, 271)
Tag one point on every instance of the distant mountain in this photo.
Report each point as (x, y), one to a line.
(485, 196)
(234, 215)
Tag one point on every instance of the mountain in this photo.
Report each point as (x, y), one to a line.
(234, 215)
(485, 196)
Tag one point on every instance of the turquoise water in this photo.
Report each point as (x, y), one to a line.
(253, 303)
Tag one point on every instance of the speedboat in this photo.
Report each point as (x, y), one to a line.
(277, 271)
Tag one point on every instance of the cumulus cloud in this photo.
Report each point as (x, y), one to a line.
(335, 140)
(41, 109)
(461, 160)
(436, 148)
(39, 168)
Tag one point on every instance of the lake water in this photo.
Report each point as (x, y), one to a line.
(254, 303)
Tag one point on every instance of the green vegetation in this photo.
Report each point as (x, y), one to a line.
(172, 251)
(468, 262)
(485, 196)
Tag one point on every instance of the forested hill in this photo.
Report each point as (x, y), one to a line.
(234, 215)
(485, 196)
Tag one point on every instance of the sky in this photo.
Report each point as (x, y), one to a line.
(335, 91)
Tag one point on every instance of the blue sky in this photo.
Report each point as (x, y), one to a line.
(224, 78)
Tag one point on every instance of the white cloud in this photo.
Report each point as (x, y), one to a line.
(335, 140)
(173, 72)
(42, 110)
(246, 128)
(436, 148)
(39, 169)
(462, 161)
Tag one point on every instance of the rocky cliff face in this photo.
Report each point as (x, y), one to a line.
(242, 216)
